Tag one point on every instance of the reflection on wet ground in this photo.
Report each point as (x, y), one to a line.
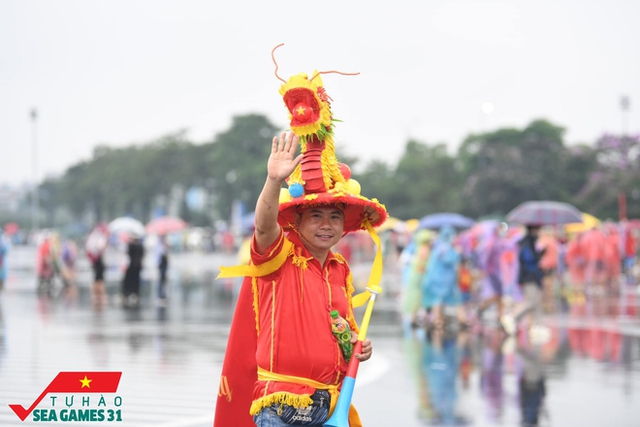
(582, 369)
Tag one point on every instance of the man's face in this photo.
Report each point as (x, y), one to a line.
(321, 227)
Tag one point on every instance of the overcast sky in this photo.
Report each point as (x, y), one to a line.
(120, 72)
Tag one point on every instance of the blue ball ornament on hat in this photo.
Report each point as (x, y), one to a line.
(296, 190)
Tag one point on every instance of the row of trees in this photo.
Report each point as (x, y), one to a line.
(489, 175)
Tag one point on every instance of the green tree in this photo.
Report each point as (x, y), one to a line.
(616, 173)
(508, 166)
(491, 173)
(237, 162)
(377, 180)
(426, 180)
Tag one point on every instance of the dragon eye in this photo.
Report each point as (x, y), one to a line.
(322, 94)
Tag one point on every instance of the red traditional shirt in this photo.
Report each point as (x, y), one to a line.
(293, 321)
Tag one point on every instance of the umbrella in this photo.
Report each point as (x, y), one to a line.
(392, 223)
(412, 224)
(166, 225)
(128, 225)
(97, 240)
(544, 212)
(11, 228)
(435, 221)
(588, 222)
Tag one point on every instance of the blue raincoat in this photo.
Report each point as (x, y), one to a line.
(440, 284)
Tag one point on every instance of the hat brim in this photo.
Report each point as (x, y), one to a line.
(356, 209)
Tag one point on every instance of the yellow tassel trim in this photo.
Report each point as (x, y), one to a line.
(330, 167)
(284, 397)
(328, 154)
(256, 307)
(273, 323)
(298, 401)
(296, 177)
(329, 292)
(349, 290)
(302, 263)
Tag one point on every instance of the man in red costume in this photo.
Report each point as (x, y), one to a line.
(283, 364)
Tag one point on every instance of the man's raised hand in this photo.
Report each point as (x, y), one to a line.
(283, 161)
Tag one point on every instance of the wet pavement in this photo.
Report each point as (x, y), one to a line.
(583, 369)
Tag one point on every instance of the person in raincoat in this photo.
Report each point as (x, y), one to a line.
(513, 298)
(47, 263)
(68, 268)
(4, 251)
(593, 244)
(490, 256)
(530, 277)
(576, 263)
(440, 283)
(415, 256)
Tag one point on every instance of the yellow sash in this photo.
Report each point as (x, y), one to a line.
(261, 270)
(264, 375)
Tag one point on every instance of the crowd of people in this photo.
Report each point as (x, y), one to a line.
(57, 258)
(521, 271)
(132, 245)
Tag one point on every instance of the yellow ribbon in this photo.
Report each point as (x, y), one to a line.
(375, 276)
(261, 270)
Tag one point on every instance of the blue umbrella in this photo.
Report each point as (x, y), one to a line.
(435, 221)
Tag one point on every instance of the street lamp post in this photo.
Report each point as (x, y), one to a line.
(35, 199)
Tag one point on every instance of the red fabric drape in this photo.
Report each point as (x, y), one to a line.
(239, 369)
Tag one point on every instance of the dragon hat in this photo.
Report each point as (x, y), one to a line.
(320, 179)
